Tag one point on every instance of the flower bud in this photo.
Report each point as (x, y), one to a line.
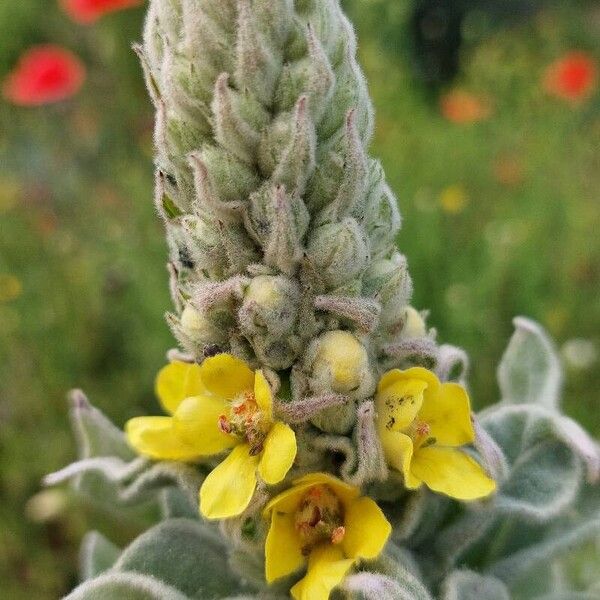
(337, 362)
(338, 251)
(414, 324)
(270, 305)
(341, 365)
(388, 281)
(200, 328)
(267, 318)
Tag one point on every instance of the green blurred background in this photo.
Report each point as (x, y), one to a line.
(501, 217)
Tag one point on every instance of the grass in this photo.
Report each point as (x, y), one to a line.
(80, 235)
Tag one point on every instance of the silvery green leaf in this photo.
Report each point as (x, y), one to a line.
(374, 586)
(592, 595)
(530, 370)
(96, 555)
(174, 504)
(451, 543)
(544, 472)
(393, 576)
(125, 586)
(468, 585)
(577, 527)
(96, 435)
(159, 476)
(184, 554)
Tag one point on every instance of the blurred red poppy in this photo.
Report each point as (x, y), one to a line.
(88, 11)
(462, 107)
(44, 74)
(572, 77)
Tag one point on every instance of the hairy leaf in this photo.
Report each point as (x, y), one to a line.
(468, 585)
(185, 554)
(121, 586)
(530, 370)
(96, 555)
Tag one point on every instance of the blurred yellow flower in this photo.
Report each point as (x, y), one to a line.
(10, 288)
(421, 423)
(454, 199)
(216, 406)
(324, 522)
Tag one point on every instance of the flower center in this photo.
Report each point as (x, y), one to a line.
(419, 432)
(319, 518)
(246, 420)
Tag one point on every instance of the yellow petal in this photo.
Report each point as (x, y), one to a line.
(367, 529)
(278, 454)
(346, 492)
(399, 403)
(283, 552)
(177, 381)
(288, 500)
(226, 376)
(398, 450)
(263, 395)
(228, 488)
(196, 422)
(433, 383)
(156, 437)
(451, 472)
(327, 568)
(449, 416)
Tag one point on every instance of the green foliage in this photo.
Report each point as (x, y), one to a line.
(97, 555)
(184, 554)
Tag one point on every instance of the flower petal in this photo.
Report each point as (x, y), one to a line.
(176, 382)
(228, 488)
(367, 529)
(346, 492)
(283, 552)
(399, 403)
(433, 383)
(263, 395)
(398, 450)
(288, 500)
(452, 472)
(449, 416)
(156, 437)
(278, 454)
(327, 568)
(196, 422)
(226, 376)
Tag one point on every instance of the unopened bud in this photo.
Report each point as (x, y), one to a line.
(414, 324)
(338, 251)
(270, 305)
(340, 364)
(199, 328)
(268, 318)
(388, 281)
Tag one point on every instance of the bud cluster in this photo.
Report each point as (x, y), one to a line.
(281, 228)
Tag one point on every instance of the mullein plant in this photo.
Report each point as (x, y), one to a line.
(315, 441)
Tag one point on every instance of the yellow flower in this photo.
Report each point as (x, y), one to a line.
(421, 424)
(324, 522)
(216, 406)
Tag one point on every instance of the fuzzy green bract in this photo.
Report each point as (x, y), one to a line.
(281, 232)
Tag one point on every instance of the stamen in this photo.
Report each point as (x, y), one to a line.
(338, 535)
(319, 518)
(246, 421)
(423, 429)
(224, 424)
